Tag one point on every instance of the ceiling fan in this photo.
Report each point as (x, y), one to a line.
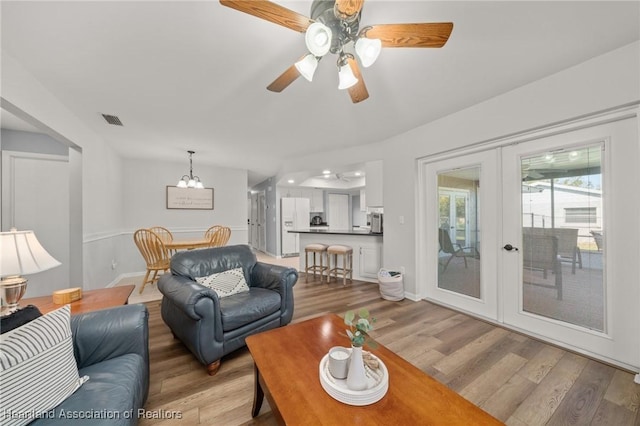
(334, 26)
(533, 173)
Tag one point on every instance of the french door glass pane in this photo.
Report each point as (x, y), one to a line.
(562, 236)
(458, 231)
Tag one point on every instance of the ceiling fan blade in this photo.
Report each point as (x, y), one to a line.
(358, 91)
(271, 12)
(411, 35)
(348, 8)
(285, 79)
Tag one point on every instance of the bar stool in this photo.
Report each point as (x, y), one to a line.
(347, 262)
(321, 249)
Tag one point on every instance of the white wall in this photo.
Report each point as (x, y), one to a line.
(102, 212)
(144, 198)
(604, 82)
(601, 83)
(119, 196)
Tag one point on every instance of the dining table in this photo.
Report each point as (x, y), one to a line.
(186, 244)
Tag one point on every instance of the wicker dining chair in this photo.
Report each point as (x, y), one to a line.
(218, 236)
(155, 254)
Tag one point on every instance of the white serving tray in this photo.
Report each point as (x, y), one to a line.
(377, 384)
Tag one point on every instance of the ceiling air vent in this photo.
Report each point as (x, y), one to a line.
(112, 119)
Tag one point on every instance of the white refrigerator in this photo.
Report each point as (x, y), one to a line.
(294, 214)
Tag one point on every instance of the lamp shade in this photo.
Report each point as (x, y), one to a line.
(307, 66)
(346, 78)
(22, 254)
(368, 50)
(318, 39)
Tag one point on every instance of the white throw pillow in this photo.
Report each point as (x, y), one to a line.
(37, 367)
(225, 283)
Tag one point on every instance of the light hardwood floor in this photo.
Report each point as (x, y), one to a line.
(519, 380)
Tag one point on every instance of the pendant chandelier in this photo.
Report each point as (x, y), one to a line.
(190, 181)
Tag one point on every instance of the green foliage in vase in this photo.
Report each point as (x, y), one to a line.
(360, 324)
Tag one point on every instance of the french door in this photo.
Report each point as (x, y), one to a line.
(552, 237)
(459, 270)
(568, 210)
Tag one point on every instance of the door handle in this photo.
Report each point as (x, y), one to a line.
(509, 247)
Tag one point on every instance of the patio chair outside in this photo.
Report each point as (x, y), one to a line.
(540, 252)
(568, 249)
(456, 250)
(597, 236)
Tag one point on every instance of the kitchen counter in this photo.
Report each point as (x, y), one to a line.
(335, 232)
(367, 248)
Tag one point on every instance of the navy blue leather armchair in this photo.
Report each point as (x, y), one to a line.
(212, 327)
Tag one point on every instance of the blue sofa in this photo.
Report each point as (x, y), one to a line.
(212, 327)
(111, 346)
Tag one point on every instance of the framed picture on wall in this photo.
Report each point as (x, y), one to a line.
(189, 198)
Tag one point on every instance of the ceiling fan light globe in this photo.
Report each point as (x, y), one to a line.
(307, 66)
(318, 39)
(368, 50)
(346, 78)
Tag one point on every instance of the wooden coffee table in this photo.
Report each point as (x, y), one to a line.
(92, 300)
(286, 370)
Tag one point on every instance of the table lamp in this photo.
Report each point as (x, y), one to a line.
(20, 253)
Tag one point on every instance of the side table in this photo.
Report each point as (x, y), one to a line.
(92, 300)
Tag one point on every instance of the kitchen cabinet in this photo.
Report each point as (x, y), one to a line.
(370, 260)
(293, 193)
(317, 200)
(363, 200)
(315, 197)
(373, 188)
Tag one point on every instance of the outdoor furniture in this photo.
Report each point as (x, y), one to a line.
(540, 252)
(154, 253)
(597, 236)
(568, 249)
(446, 246)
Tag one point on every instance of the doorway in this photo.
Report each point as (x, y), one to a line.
(35, 189)
(262, 223)
(536, 234)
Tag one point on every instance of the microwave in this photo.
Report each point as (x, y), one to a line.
(376, 223)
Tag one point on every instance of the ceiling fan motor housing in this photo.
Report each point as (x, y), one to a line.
(342, 31)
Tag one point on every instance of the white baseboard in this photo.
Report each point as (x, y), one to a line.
(123, 276)
(412, 296)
